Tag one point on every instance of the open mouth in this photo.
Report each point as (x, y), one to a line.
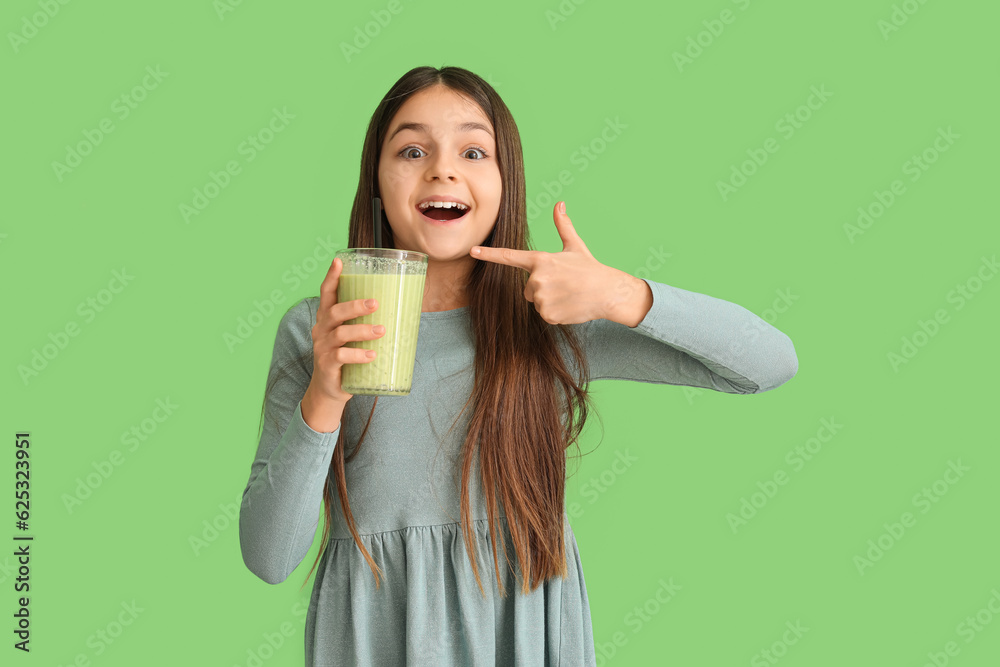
(443, 214)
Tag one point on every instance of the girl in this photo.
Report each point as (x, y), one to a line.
(410, 570)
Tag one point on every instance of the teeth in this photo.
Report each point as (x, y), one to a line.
(443, 204)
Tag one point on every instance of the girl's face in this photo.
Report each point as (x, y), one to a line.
(440, 146)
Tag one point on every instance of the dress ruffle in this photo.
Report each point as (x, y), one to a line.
(429, 610)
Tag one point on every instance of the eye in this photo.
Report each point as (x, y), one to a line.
(405, 152)
(478, 150)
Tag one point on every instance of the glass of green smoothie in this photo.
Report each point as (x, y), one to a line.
(395, 278)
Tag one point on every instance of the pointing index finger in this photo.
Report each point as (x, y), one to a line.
(524, 259)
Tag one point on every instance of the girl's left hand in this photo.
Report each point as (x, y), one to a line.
(567, 287)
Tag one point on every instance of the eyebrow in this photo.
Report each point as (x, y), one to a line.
(420, 127)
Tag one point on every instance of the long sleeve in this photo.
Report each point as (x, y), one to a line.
(691, 339)
(281, 503)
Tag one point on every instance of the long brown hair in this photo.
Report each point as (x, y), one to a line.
(517, 419)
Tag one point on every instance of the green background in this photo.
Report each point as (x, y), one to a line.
(778, 242)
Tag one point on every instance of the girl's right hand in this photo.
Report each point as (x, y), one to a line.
(330, 333)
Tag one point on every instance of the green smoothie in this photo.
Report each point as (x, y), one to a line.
(400, 300)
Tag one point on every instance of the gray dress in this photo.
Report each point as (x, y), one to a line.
(404, 489)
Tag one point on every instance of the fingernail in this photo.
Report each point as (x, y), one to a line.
(476, 252)
(369, 303)
(562, 206)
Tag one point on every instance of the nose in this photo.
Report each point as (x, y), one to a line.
(442, 167)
